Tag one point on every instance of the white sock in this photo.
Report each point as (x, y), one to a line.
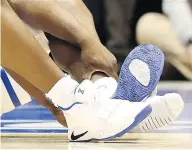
(62, 93)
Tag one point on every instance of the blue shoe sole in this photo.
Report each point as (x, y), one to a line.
(129, 88)
(139, 118)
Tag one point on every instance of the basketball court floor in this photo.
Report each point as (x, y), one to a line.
(33, 127)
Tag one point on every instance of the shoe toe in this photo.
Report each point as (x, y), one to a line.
(174, 103)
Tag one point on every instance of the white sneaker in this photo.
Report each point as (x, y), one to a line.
(91, 119)
(165, 108)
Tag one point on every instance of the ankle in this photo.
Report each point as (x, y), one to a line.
(98, 75)
(61, 93)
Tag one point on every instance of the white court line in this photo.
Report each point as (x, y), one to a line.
(181, 122)
(53, 128)
(55, 125)
(36, 121)
(177, 85)
(175, 127)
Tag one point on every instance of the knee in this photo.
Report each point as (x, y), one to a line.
(148, 25)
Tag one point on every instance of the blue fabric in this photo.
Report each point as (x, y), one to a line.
(129, 88)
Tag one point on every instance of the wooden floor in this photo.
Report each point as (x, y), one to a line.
(33, 127)
(137, 141)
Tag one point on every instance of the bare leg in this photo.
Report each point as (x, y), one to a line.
(31, 66)
(155, 28)
(39, 96)
(69, 20)
(23, 54)
(63, 52)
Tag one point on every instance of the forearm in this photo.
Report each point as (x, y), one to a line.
(24, 55)
(180, 16)
(68, 20)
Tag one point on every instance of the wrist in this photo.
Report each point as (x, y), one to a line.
(89, 41)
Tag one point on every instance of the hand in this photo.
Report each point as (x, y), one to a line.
(59, 116)
(189, 48)
(57, 112)
(97, 57)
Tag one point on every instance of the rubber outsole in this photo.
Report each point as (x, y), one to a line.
(129, 88)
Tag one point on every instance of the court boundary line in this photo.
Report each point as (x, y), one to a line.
(128, 135)
(175, 85)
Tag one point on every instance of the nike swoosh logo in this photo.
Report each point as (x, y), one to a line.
(75, 137)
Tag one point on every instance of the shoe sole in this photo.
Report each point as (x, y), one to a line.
(139, 118)
(153, 121)
(129, 88)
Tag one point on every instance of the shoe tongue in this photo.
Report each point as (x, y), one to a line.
(88, 91)
(105, 87)
(85, 91)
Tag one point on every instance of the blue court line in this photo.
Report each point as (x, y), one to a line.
(33, 131)
(9, 88)
(187, 130)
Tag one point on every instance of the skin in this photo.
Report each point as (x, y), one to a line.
(189, 51)
(24, 55)
(62, 53)
(30, 75)
(67, 65)
(39, 96)
(156, 35)
(27, 72)
(71, 21)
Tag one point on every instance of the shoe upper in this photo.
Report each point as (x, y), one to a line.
(100, 116)
(165, 108)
